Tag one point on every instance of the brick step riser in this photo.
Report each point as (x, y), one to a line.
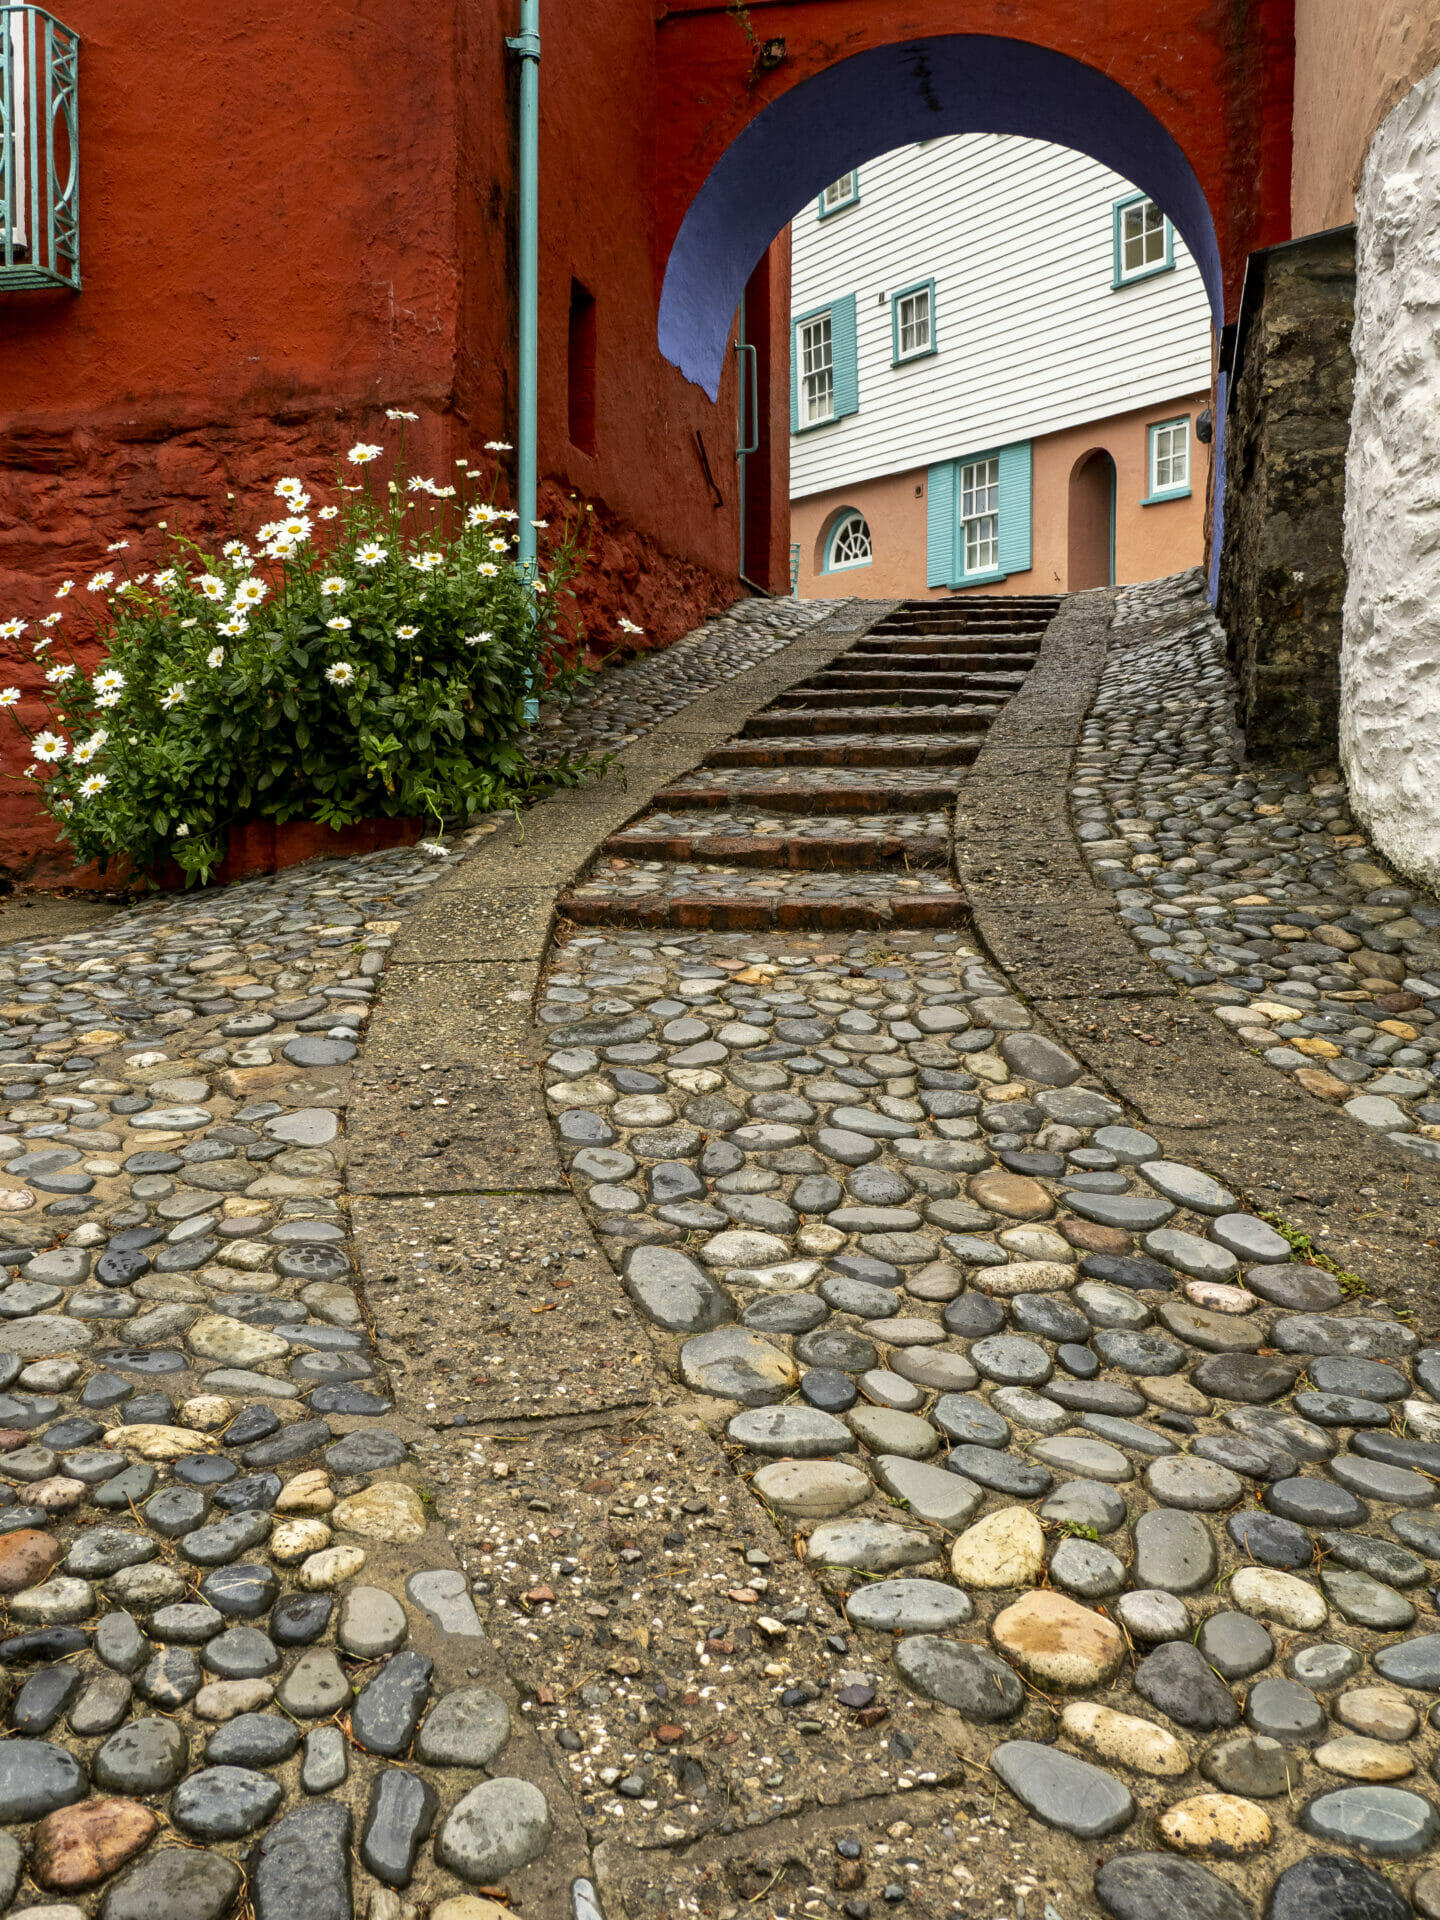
(867, 720)
(933, 665)
(720, 915)
(917, 624)
(800, 854)
(925, 646)
(958, 753)
(867, 799)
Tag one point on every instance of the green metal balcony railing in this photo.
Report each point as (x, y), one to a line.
(39, 151)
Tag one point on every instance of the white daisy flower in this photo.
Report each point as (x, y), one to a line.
(63, 807)
(109, 680)
(328, 513)
(52, 619)
(185, 625)
(58, 675)
(340, 674)
(333, 586)
(182, 832)
(215, 657)
(107, 699)
(498, 544)
(481, 639)
(480, 515)
(250, 593)
(174, 695)
(434, 849)
(289, 488)
(339, 624)
(65, 587)
(98, 582)
(297, 527)
(406, 633)
(117, 546)
(498, 446)
(9, 696)
(12, 629)
(361, 454)
(211, 585)
(399, 413)
(48, 747)
(371, 554)
(487, 569)
(629, 626)
(542, 523)
(234, 626)
(235, 550)
(426, 562)
(85, 750)
(92, 784)
(166, 579)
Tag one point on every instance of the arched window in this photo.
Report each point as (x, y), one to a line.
(849, 543)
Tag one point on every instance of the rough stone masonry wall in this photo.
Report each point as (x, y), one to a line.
(1282, 576)
(1390, 740)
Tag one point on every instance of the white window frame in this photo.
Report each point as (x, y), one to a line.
(847, 521)
(815, 351)
(840, 193)
(978, 494)
(1173, 488)
(1162, 234)
(923, 298)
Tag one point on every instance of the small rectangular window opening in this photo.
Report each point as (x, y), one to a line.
(817, 370)
(980, 515)
(1142, 239)
(912, 320)
(1170, 457)
(840, 192)
(581, 368)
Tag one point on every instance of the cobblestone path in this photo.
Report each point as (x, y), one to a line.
(760, 1427)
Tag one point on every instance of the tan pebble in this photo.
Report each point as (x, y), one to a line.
(812, 1489)
(1278, 1596)
(1316, 1048)
(56, 1495)
(1014, 1194)
(1219, 1298)
(1125, 1740)
(1220, 1824)
(1360, 1759)
(819, 1240)
(295, 1540)
(1056, 1642)
(1426, 1893)
(1381, 1713)
(77, 1846)
(469, 1906)
(1025, 1276)
(207, 1413)
(1037, 1243)
(1325, 1086)
(26, 1557)
(1005, 1549)
(308, 1492)
(388, 1510)
(1174, 1391)
(153, 1442)
(331, 1567)
(223, 1699)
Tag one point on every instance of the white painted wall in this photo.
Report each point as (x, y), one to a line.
(1390, 662)
(1033, 337)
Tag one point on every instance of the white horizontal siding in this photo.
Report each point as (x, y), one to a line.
(1032, 336)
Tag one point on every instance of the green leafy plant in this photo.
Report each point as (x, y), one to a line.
(376, 654)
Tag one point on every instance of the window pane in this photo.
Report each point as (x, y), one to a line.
(913, 322)
(850, 546)
(1142, 237)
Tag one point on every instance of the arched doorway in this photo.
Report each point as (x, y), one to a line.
(1091, 522)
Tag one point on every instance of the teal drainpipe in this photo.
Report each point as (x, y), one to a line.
(526, 45)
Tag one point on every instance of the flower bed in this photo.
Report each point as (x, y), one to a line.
(371, 656)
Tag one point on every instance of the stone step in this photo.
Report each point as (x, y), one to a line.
(817, 790)
(748, 837)
(889, 690)
(850, 750)
(875, 718)
(698, 896)
(931, 666)
(924, 647)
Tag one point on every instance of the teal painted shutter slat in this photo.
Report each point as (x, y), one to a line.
(794, 377)
(940, 525)
(843, 348)
(1015, 508)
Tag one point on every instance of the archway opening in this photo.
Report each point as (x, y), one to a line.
(873, 102)
(1091, 522)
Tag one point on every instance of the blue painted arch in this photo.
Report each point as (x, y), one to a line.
(888, 97)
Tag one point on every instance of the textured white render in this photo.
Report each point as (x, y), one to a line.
(1033, 337)
(1390, 663)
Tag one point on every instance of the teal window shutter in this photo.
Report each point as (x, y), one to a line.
(847, 365)
(794, 376)
(1015, 508)
(940, 566)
